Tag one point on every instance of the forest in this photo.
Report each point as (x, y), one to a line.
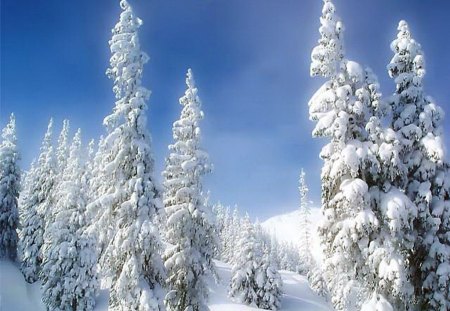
(91, 216)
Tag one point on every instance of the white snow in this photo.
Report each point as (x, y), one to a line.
(16, 294)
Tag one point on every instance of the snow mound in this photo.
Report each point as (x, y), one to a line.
(286, 228)
(15, 293)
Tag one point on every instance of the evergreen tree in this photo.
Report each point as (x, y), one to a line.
(219, 212)
(269, 283)
(305, 212)
(69, 279)
(190, 228)
(244, 287)
(232, 236)
(255, 279)
(436, 265)
(9, 191)
(36, 203)
(343, 107)
(128, 199)
(62, 151)
(417, 124)
(59, 165)
(316, 280)
(274, 251)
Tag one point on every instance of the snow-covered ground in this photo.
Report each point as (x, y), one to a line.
(17, 295)
(287, 229)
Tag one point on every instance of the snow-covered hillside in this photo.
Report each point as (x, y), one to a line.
(16, 294)
(286, 228)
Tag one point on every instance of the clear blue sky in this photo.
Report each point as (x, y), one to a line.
(251, 62)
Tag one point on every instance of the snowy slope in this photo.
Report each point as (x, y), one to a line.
(17, 295)
(286, 228)
(297, 294)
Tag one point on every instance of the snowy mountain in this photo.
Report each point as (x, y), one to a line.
(19, 295)
(286, 228)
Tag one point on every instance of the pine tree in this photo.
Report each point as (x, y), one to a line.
(89, 172)
(436, 265)
(69, 279)
(36, 204)
(316, 280)
(59, 165)
(232, 236)
(343, 107)
(417, 124)
(269, 283)
(9, 191)
(219, 212)
(326, 57)
(246, 263)
(190, 228)
(128, 199)
(305, 212)
(62, 151)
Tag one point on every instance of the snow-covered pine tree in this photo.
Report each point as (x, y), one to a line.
(436, 266)
(316, 280)
(128, 199)
(9, 191)
(305, 212)
(190, 229)
(69, 277)
(343, 107)
(255, 280)
(274, 250)
(232, 236)
(62, 151)
(269, 284)
(89, 172)
(326, 57)
(417, 123)
(219, 213)
(61, 156)
(36, 203)
(247, 260)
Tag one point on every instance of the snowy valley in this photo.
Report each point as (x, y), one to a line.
(16, 294)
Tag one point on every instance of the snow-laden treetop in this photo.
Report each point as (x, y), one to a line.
(408, 55)
(327, 55)
(126, 67)
(9, 132)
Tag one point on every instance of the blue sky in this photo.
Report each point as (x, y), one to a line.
(251, 62)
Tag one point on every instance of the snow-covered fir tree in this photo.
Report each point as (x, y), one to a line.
(89, 171)
(316, 280)
(274, 250)
(232, 236)
(326, 57)
(69, 277)
(9, 191)
(343, 108)
(62, 151)
(219, 212)
(190, 227)
(255, 279)
(60, 162)
(305, 212)
(435, 267)
(248, 254)
(269, 283)
(35, 203)
(127, 198)
(417, 124)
